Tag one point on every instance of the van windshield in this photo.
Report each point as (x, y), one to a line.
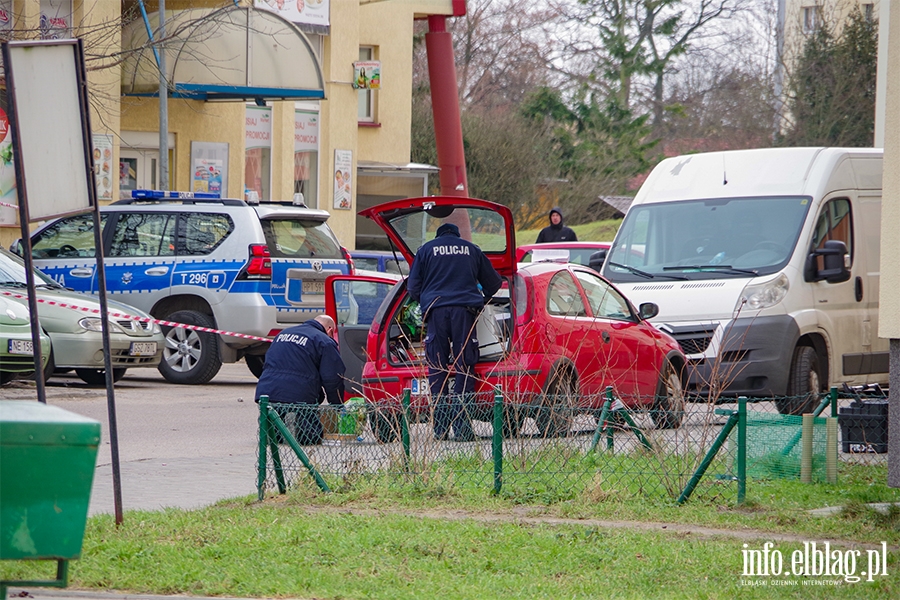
(706, 239)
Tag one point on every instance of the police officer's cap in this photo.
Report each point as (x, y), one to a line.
(447, 228)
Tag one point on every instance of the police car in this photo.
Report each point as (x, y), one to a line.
(224, 264)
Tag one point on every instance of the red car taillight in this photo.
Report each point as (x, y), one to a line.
(260, 265)
(349, 260)
(524, 299)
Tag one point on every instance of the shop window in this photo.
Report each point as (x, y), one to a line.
(810, 16)
(56, 19)
(306, 156)
(258, 151)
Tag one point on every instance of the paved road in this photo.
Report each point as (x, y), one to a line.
(181, 446)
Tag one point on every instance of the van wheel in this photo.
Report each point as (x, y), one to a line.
(805, 384)
(668, 407)
(555, 416)
(256, 364)
(189, 356)
(385, 426)
(98, 376)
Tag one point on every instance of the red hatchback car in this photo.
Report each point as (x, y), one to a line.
(553, 338)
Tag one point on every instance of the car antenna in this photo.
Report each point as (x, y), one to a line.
(724, 171)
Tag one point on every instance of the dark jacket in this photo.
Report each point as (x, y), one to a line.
(447, 271)
(556, 233)
(300, 362)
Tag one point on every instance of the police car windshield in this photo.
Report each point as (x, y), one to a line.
(481, 226)
(291, 238)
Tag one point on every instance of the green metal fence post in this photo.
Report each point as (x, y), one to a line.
(283, 430)
(623, 413)
(834, 401)
(263, 444)
(497, 440)
(611, 421)
(742, 450)
(601, 424)
(276, 458)
(707, 460)
(404, 425)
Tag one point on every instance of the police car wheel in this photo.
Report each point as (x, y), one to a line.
(190, 357)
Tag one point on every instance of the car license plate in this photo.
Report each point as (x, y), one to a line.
(419, 387)
(313, 287)
(21, 347)
(142, 349)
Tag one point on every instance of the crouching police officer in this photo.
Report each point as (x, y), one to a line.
(444, 279)
(303, 367)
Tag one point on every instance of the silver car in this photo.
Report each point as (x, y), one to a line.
(73, 323)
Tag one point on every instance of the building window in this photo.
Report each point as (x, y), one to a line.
(56, 19)
(810, 18)
(869, 11)
(306, 156)
(258, 151)
(366, 99)
(6, 18)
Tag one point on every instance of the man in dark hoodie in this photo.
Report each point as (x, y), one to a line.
(556, 231)
(444, 279)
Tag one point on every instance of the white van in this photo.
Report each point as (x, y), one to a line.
(764, 264)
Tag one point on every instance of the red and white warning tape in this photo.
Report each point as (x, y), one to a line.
(9, 205)
(119, 315)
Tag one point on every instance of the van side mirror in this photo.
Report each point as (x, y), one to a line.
(596, 259)
(835, 263)
(648, 310)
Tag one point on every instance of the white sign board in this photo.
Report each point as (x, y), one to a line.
(43, 81)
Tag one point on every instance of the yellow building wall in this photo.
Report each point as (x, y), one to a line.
(833, 13)
(192, 120)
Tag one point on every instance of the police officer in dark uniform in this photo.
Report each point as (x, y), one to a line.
(444, 279)
(303, 367)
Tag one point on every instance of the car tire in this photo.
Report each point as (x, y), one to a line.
(554, 418)
(50, 368)
(385, 426)
(804, 384)
(98, 376)
(256, 364)
(6, 377)
(668, 406)
(190, 357)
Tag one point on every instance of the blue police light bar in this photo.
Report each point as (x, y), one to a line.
(173, 195)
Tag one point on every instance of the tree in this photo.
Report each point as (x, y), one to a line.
(831, 92)
(641, 39)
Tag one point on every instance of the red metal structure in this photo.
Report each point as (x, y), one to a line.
(445, 103)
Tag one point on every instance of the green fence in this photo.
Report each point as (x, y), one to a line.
(545, 449)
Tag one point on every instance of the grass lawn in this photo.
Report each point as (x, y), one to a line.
(414, 542)
(597, 231)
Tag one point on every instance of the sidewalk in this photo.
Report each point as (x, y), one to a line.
(158, 483)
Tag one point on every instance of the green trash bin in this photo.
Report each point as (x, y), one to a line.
(47, 461)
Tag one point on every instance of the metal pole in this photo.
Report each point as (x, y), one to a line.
(445, 108)
(707, 460)
(163, 104)
(831, 449)
(742, 450)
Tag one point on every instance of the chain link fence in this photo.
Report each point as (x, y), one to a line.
(550, 449)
